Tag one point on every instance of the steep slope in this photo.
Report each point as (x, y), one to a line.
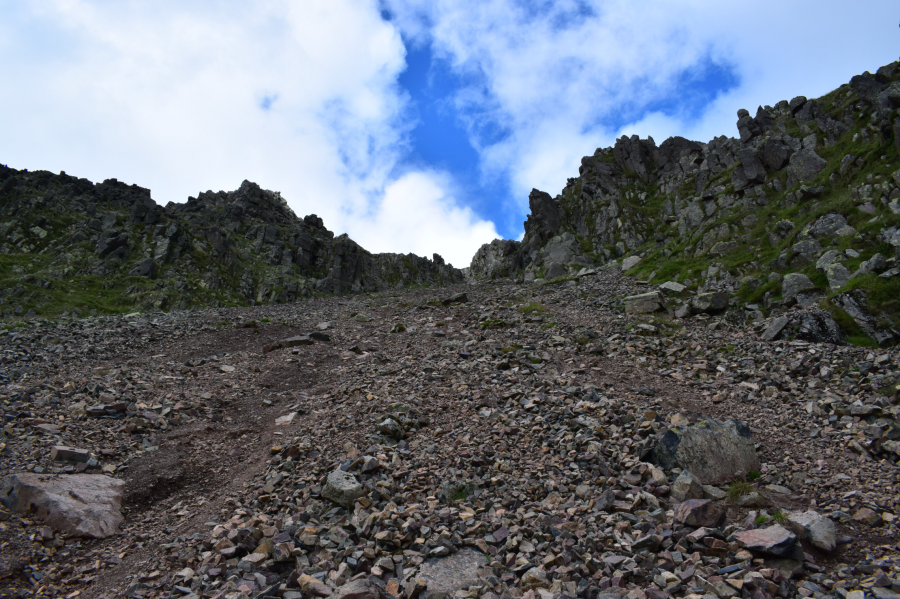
(72, 245)
(810, 187)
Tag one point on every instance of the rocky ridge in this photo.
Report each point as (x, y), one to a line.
(72, 246)
(499, 440)
(810, 188)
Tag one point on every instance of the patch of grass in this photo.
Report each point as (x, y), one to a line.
(760, 520)
(533, 308)
(754, 474)
(265, 320)
(779, 517)
(738, 489)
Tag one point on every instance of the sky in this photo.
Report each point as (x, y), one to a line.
(412, 125)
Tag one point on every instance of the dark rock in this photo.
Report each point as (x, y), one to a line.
(819, 327)
(145, 268)
(714, 452)
(709, 303)
(700, 513)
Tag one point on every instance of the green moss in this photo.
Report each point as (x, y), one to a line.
(533, 308)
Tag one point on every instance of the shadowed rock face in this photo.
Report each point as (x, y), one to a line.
(219, 248)
(769, 201)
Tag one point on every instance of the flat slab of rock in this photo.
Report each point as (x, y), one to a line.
(775, 540)
(361, 588)
(644, 303)
(84, 505)
(630, 262)
(714, 452)
(290, 342)
(451, 573)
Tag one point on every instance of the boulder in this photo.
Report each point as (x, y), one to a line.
(829, 257)
(775, 328)
(390, 428)
(805, 252)
(630, 262)
(805, 165)
(837, 274)
(145, 268)
(685, 487)
(672, 287)
(535, 578)
(793, 284)
(458, 298)
(855, 304)
(700, 512)
(709, 302)
(815, 527)
(84, 505)
(775, 154)
(451, 573)
(713, 452)
(831, 226)
(775, 540)
(723, 248)
(361, 588)
(644, 303)
(343, 489)
(819, 327)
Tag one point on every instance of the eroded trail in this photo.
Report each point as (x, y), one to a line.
(511, 431)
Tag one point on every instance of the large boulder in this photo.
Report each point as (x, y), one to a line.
(343, 489)
(713, 452)
(831, 226)
(452, 573)
(84, 505)
(644, 303)
(855, 303)
(793, 284)
(775, 154)
(805, 165)
(819, 327)
(709, 303)
(815, 527)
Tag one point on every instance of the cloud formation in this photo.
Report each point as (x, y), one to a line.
(560, 78)
(300, 97)
(306, 97)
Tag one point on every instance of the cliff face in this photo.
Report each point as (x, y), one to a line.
(807, 187)
(72, 244)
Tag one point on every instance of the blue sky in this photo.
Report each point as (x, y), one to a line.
(413, 125)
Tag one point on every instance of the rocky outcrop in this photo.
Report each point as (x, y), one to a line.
(771, 202)
(220, 248)
(85, 505)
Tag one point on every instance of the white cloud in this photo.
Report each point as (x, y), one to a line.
(170, 95)
(566, 77)
(417, 215)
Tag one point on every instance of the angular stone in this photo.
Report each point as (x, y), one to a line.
(390, 428)
(451, 573)
(775, 327)
(61, 453)
(867, 516)
(361, 588)
(793, 284)
(714, 452)
(805, 165)
(343, 489)
(290, 342)
(85, 505)
(534, 578)
(630, 262)
(709, 302)
(700, 512)
(775, 540)
(672, 287)
(819, 327)
(459, 298)
(815, 527)
(723, 248)
(644, 303)
(685, 487)
(831, 226)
